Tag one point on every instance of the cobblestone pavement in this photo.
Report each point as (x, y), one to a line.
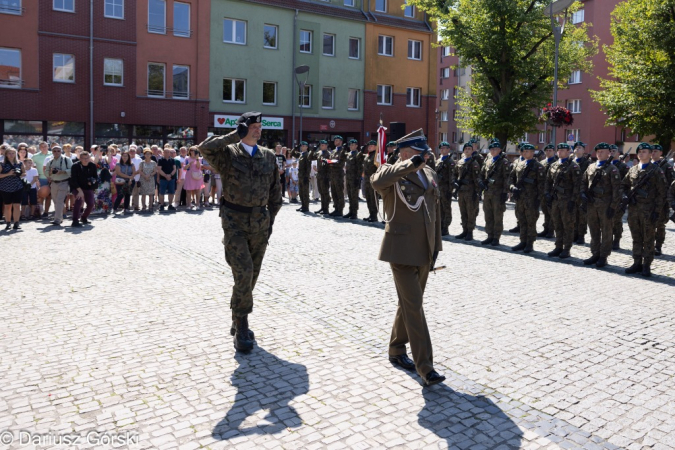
(125, 329)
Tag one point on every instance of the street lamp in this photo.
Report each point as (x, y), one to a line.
(557, 7)
(301, 85)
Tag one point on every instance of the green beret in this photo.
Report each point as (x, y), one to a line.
(444, 144)
(613, 147)
(303, 143)
(644, 145)
(657, 147)
(494, 144)
(467, 144)
(526, 146)
(579, 144)
(371, 142)
(602, 146)
(338, 137)
(353, 141)
(391, 144)
(323, 141)
(563, 145)
(551, 146)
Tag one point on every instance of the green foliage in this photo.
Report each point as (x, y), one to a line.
(640, 94)
(510, 47)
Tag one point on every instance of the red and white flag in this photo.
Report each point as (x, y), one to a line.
(381, 142)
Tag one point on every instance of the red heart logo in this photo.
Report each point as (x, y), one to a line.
(221, 121)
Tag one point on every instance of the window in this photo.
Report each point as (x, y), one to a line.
(383, 94)
(113, 72)
(542, 137)
(328, 98)
(575, 78)
(234, 90)
(10, 7)
(414, 49)
(305, 100)
(64, 5)
(305, 41)
(413, 97)
(181, 82)
(329, 44)
(445, 73)
(181, 19)
(445, 51)
(385, 46)
(574, 106)
(455, 91)
(454, 114)
(574, 134)
(64, 68)
(270, 36)
(353, 100)
(578, 16)
(156, 80)
(269, 93)
(349, 2)
(444, 137)
(157, 16)
(523, 138)
(114, 9)
(409, 11)
(10, 61)
(381, 5)
(445, 94)
(354, 48)
(454, 136)
(234, 31)
(444, 116)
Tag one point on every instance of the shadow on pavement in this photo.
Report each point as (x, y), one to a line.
(466, 421)
(263, 382)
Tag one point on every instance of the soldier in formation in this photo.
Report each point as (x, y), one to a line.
(467, 190)
(549, 159)
(526, 183)
(494, 181)
(617, 227)
(322, 156)
(562, 189)
(445, 169)
(336, 170)
(581, 221)
(304, 171)
(369, 168)
(354, 169)
(667, 168)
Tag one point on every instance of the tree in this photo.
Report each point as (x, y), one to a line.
(641, 93)
(510, 48)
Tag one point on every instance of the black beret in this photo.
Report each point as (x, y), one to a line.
(250, 117)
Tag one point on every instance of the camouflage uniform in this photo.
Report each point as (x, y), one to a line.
(667, 169)
(581, 220)
(322, 178)
(336, 172)
(531, 185)
(671, 198)
(617, 227)
(643, 211)
(445, 169)
(562, 188)
(431, 161)
(354, 165)
(467, 176)
(369, 168)
(392, 157)
(304, 170)
(603, 201)
(495, 177)
(548, 224)
(248, 182)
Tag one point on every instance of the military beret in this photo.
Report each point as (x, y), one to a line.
(250, 117)
(371, 142)
(391, 144)
(353, 141)
(303, 143)
(644, 145)
(551, 146)
(579, 144)
(657, 147)
(467, 144)
(563, 145)
(444, 144)
(494, 144)
(602, 146)
(323, 141)
(526, 146)
(338, 137)
(613, 147)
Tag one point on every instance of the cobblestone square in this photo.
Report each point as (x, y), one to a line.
(124, 328)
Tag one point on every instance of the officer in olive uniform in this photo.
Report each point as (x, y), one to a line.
(322, 156)
(445, 169)
(600, 194)
(550, 158)
(617, 227)
(494, 180)
(667, 168)
(644, 191)
(336, 170)
(250, 201)
(304, 171)
(392, 152)
(354, 165)
(562, 189)
(583, 160)
(527, 183)
(411, 243)
(467, 189)
(369, 168)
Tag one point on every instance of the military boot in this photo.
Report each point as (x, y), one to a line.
(242, 341)
(543, 233)
(486, 241)
(602, 262)
(592, 260)
(321, 211)
(615, 244)
(581, 240)
(347, 216)
(515, 230)
(647, 269)
(657, 250)
(636, 267)
(529, 247)
(445, 231)
(334, 213)
(233, 329)
(462, 235)
(550, 233)
(469, 236)
(556, 252)
(565, 253)
(495, 242)
(519, 247)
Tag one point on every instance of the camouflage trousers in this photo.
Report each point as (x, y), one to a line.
(548, 225)
(468, 209)
(580, 221)
(643, 232)
(494, 208)
(337, 188)
(562, 221)
(324, 191)
(446, 208)
(353, 194)
(617, 225)
(245, 243)
(661, 225)
(371, 200)
(600, 228)
(527, 214)
(303, 187)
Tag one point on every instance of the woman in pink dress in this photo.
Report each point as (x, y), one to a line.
(194, 179)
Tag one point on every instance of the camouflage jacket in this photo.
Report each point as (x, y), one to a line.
(667, 169)
(607, 188)
(322, 157)
(564, 180)
(652, 194)
(445, 169)
(671, 195)
(496, 178)
(623, 168)
(354, 165)
(369, 166)
(304, 165)
(531, 186)
(467, 175)
(249, 181)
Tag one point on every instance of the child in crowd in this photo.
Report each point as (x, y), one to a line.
(29, 199)
(293, 181)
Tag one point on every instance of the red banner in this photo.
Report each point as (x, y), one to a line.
(381, 142)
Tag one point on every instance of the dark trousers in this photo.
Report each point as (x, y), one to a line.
(79, 202)
(127, 200)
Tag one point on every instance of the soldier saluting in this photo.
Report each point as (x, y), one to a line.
(249, 203)
(411, 244)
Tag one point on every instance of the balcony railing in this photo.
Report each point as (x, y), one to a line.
(173, 95)
(164, 30)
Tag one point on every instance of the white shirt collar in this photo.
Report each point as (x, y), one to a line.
(248, 148)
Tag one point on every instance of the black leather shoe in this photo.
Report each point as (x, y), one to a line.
(519, 247)
(602, 262)
(84, 221)
(433, 378)
(347, 216)
(486, 241)
(565, 254)
(462, 235)
(646, 270)
(495, 242)
(529, 248)
(76, 224)
(592, 260)
(402, 361)
(469, 236)
(515, 229)
(319, 212)
(556, 252)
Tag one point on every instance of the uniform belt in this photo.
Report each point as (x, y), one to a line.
(244, 209)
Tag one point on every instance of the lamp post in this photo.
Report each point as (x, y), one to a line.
(301, 85)
(557, 7)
